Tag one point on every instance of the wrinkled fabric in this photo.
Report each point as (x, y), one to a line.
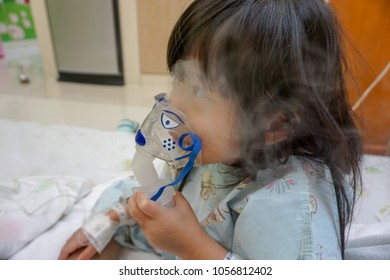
(288, 212)
(31, 205)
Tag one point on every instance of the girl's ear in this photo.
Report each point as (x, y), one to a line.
(280, 128)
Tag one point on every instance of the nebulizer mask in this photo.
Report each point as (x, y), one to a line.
(165, 134)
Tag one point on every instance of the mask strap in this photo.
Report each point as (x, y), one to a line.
(194, 150)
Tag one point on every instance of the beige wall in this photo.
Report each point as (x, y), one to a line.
(145, 28)
(41, 22)
(156, 19)
(130, 45)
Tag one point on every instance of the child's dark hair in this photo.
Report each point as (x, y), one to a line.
(283, 60)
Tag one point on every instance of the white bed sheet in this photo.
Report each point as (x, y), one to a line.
(48, 245)
(372, 213)
(101, 157)
(28, 149)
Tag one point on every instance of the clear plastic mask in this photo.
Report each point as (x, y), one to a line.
(166, 134)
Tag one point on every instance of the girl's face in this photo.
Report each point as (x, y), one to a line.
(212, 118)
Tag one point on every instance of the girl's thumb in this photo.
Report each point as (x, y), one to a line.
(179, 199)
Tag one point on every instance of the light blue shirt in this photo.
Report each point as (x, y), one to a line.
(288, 212)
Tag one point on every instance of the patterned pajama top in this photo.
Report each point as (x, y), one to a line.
(288, 212)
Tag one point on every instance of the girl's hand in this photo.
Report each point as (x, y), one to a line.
(77, 247)
(175, 230)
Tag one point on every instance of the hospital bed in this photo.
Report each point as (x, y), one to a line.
(73, 166)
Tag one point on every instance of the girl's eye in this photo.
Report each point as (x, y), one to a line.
(168, 122)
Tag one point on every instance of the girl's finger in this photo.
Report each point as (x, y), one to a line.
(148, 207)
(71, 245)
(88, 253)
(135, 212)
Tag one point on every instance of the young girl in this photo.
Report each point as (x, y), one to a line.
(262, 85)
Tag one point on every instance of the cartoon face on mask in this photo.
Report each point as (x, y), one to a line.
(166, 134)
